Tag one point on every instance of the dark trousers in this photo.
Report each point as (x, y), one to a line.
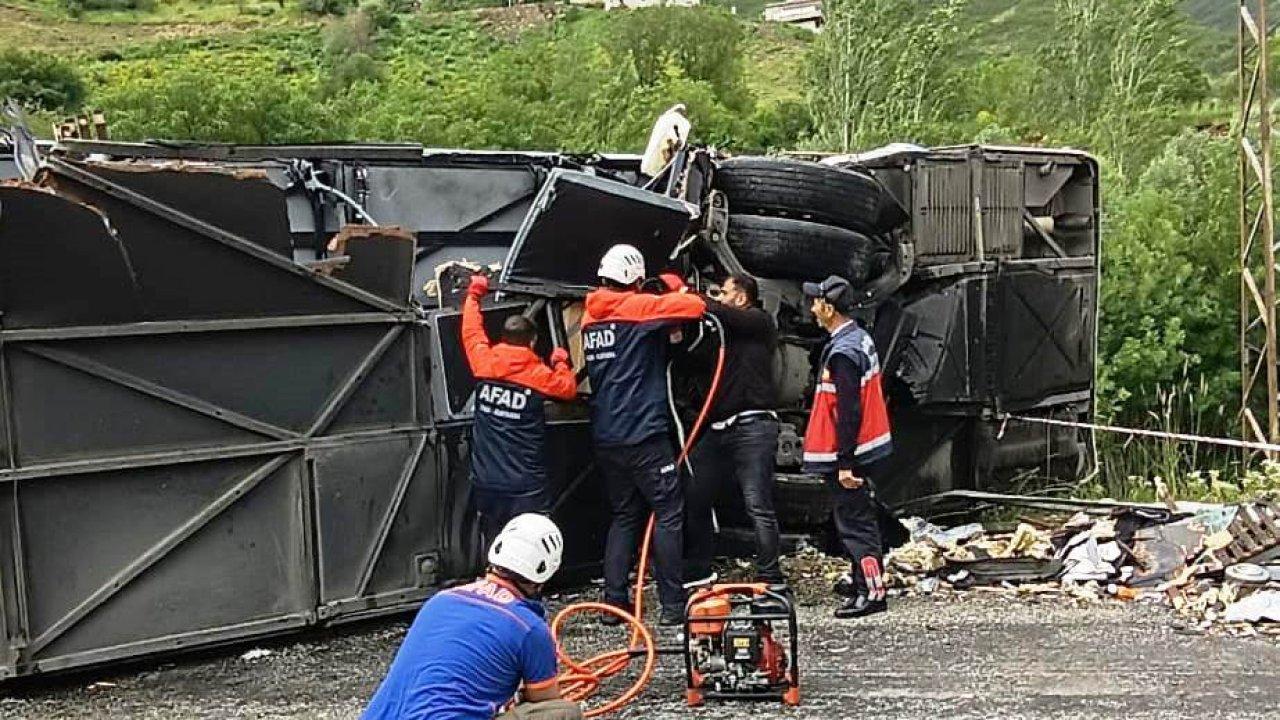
(857, 521)
(638, 478)
(497, 507)
(744, 451)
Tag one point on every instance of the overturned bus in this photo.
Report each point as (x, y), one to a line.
(233, 402)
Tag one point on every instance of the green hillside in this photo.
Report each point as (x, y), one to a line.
(486, 77)
(1222, 15)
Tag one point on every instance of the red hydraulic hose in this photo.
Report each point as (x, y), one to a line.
(582, 679)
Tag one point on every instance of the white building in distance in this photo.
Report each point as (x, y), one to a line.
(800, 13)
(618, 4)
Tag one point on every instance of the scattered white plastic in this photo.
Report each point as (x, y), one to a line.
(1256, 607)
(255, 654)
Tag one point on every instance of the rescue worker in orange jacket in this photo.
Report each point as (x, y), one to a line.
(625, 337)
(847, 440)
(508, 436)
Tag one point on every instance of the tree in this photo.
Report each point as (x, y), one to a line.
(881, 68)
(40, 81)
(219, 97)
(1118, 72)
(1170, 292)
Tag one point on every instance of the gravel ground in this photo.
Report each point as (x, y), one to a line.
(968, 656)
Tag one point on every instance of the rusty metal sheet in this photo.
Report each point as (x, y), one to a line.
(380, 259)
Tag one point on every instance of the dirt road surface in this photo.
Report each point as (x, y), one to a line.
(955, 657)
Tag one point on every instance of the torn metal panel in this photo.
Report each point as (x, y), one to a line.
(930, 346)
(188, 268)
(380, 259)
(242, 201)
(62, 263)
(577, 217)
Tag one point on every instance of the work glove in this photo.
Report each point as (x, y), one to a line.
(478, 287)
(559, 355)
(673, 282)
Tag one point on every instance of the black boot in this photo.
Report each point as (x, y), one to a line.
(847, 586)
(609, 618)
(671, 617)
(860, 606)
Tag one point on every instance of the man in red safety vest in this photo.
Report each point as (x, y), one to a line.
(847, 440)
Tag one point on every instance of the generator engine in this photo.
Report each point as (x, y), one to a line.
(732, 651)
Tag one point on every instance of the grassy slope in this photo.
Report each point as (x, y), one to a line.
(99, 41)
(774, 62)
(1221, 14)
(170, 11)
(51, 31)
(1000, 23)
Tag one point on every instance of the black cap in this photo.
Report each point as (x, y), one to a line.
(835, 290)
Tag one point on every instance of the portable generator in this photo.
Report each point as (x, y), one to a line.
(732, 649)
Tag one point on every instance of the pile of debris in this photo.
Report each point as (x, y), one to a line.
(1217, 565)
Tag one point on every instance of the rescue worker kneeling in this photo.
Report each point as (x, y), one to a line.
(508, 437)
(471, 647)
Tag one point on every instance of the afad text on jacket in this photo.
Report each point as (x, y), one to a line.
(508, 437)
(624, 338)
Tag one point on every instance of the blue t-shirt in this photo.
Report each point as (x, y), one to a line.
(465, 655)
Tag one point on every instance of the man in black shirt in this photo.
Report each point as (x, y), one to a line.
(741, 437)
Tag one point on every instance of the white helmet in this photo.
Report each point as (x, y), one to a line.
(622, 264)
(529, 546)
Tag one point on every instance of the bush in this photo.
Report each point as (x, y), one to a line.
(779, 126)
(40, 81)
(326, 7)
(357, 67)
(76, 7)
(218, 96)
(385, 14)
(350, 35)
(1170, 293)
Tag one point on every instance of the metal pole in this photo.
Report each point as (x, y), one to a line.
(1268, 226)
(1258, 351)
(1243, 201)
